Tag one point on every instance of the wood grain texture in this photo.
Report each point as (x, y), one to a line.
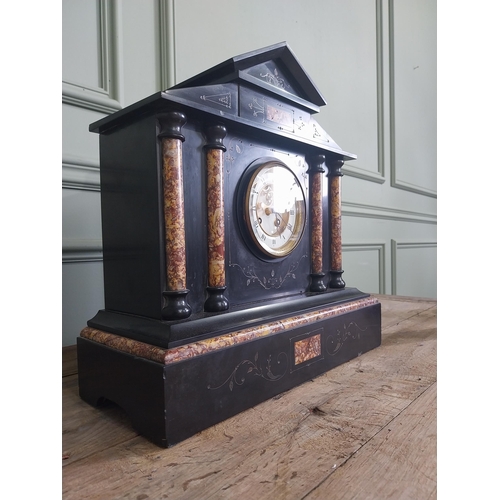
(69, 362)
(398, 463)
(328, 438)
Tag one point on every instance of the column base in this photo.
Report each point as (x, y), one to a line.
(336, 280)
(216, 301)
(177, 306)
(317, 284)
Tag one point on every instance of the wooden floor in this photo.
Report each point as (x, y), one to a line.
(364, 430)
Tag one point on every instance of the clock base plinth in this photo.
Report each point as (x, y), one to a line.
(172, 393)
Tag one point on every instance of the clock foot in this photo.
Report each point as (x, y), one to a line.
(317, 284)
(336, 280)
(216, 301)
(177, 306)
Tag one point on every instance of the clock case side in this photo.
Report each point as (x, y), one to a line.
(131, 209)
(134, 258)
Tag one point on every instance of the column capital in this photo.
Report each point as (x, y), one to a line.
(335, 167)
(171, 124)
(215, 135)
(316, 163)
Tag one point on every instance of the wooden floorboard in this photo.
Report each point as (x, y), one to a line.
(398, 463)
(69, 363)
(364, 428)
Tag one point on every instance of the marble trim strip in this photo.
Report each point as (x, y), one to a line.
(124, 344)
(181, 353)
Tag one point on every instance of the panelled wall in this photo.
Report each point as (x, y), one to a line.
(373, 60)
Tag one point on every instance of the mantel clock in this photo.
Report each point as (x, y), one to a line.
(222, 249)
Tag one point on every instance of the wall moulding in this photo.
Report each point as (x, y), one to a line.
(361, 173)
(396, 248)
(89, 98)
(370, 247)
(79, 173)
(399, 184)
(396, 177)
(105, 98)
(376, 174)
(394, 214)
(81, 250)
(167, 43)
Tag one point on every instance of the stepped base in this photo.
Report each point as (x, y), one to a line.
(172, 393)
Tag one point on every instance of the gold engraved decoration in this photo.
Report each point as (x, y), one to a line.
(336, 340)
(271, 281)
(255, 368)
(221, 99)
(274, 79)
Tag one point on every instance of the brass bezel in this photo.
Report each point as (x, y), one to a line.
(299, 226)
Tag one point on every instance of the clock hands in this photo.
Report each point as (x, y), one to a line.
(280, 220)
(274, 202)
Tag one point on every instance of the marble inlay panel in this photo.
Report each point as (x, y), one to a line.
(308, 348)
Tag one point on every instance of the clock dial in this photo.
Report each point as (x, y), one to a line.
(274, 209)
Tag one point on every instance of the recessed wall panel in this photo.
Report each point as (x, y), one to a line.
(81, 215)
(81, 43)
(363, 267)
(82, 297)
(414, 104)
(414, 269)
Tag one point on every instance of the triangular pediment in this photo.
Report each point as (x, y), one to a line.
(274, 68)
(267, 90)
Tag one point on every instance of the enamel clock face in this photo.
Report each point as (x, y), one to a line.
(274, 209)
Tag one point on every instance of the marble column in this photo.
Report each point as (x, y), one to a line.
(176, 306)
(334, 196)
(214, 151)
(315, 172)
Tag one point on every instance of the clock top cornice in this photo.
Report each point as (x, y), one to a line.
(267, 90)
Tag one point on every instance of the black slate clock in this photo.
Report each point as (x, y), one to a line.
(222, 249)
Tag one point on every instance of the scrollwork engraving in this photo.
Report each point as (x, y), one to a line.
(339, 338)
(272, 281)
(249, 367)
(274, 79)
